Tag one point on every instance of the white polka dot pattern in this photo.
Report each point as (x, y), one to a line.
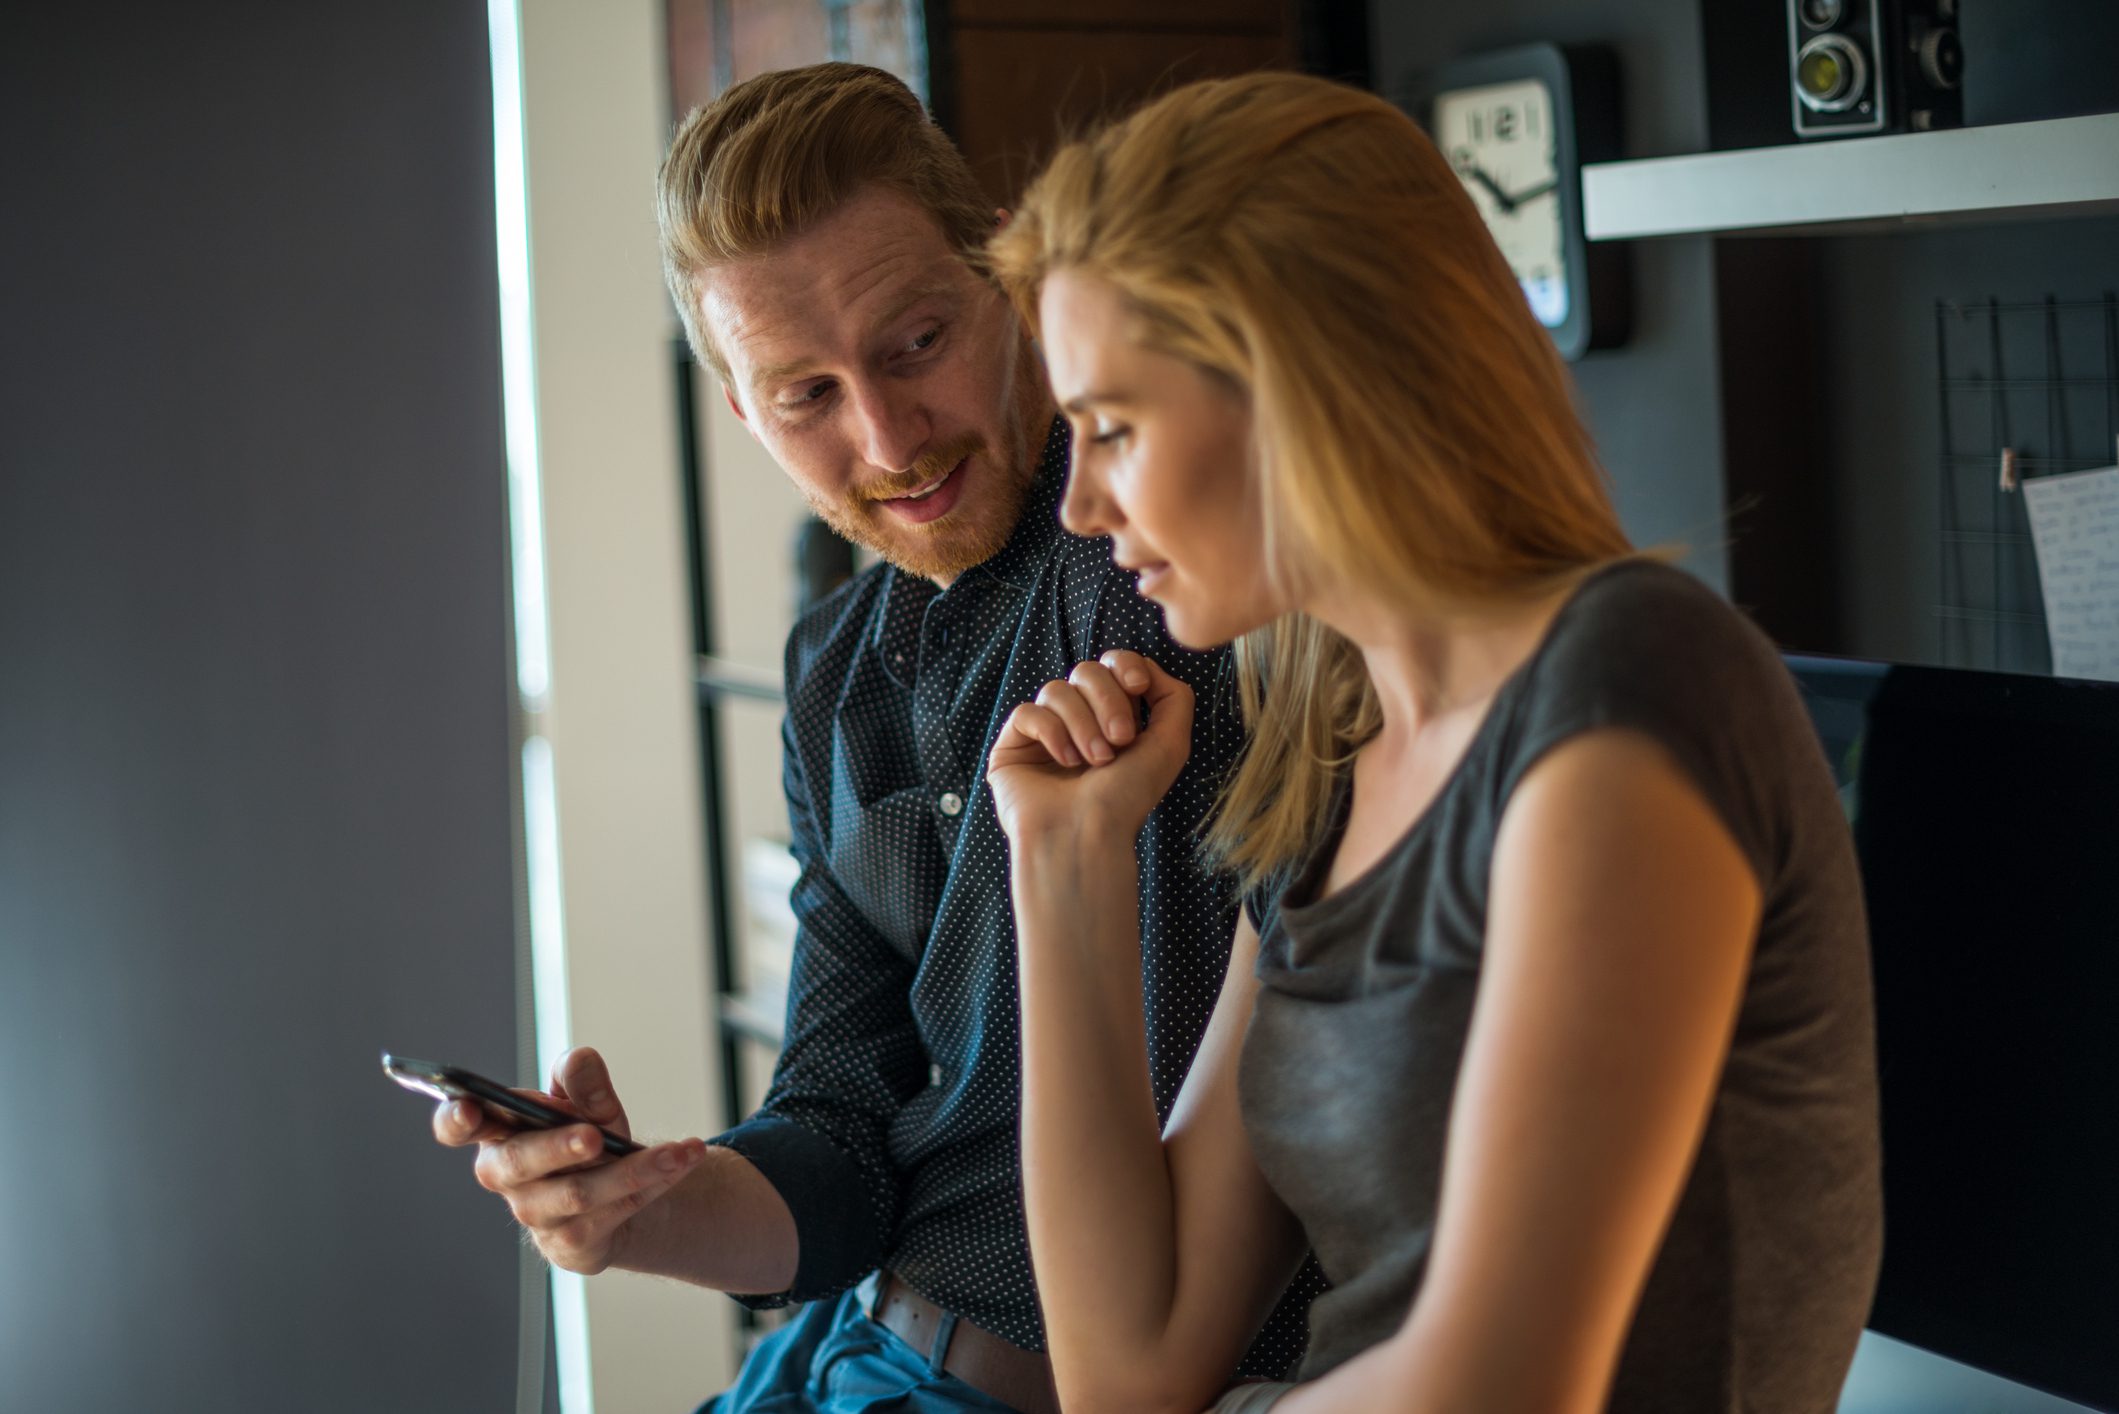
(891, 1124)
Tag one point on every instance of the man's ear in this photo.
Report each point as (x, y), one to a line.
(737, 408)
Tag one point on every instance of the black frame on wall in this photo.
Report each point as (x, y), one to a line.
(2020, 385)
(717, 682)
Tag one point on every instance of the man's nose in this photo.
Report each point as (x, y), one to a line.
(894, 425)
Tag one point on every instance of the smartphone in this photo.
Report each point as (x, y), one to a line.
(452, 1082)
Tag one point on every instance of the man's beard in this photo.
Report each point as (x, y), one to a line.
(988, 506)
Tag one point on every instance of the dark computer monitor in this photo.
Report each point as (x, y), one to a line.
(1986, 815)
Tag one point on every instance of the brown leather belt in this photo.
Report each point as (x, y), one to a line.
(1000, 1369)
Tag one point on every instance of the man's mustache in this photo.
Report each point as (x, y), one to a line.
(931, 466)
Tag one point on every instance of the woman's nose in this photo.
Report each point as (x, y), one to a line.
(1087, 508)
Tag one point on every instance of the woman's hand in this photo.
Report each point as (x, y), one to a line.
(1077, 759)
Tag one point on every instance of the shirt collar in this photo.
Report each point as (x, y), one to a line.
(1038, 528)
(1015, 564)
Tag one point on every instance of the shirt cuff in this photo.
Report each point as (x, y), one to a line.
(823, 1188)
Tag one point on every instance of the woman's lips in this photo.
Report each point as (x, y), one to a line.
(1151, 576)
(934, 504)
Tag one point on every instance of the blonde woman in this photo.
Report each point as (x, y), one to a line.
(1548, 1026)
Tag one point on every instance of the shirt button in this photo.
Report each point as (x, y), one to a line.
(934, 1075)
(951, 803)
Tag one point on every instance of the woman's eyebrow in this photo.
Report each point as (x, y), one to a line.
(1080, 402)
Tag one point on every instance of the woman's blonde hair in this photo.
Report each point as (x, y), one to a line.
(1413, 422)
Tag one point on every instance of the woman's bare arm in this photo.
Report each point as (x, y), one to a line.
(1156, 1260)
(1158, 1256)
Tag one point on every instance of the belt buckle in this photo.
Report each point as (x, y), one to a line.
(871, 1291)
(868, 1291)
(944, 1332)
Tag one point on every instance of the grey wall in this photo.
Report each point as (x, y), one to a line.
(254, 725)
(1654, 403)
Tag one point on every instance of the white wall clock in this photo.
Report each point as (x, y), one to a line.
(1517, 125)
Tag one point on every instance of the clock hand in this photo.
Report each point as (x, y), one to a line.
(1474, 172)
(1522, 196)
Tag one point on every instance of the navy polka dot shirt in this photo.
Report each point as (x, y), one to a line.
(890, 1128)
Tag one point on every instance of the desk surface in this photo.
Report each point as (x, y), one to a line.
(1891, 1377)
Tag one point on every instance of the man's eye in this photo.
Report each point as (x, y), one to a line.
(814, 393)
(925, 341)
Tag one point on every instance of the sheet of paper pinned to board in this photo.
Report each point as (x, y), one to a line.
(2075, 526)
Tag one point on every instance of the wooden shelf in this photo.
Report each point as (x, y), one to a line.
(720, 677)
(2058, 167)
(758, 1018)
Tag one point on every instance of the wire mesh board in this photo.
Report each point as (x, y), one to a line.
(2026, 389)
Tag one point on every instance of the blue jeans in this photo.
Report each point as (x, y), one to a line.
(832, 1359)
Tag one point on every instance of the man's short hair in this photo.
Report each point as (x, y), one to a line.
(781, 151)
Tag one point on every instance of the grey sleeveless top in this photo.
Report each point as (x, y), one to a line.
(1759, 1292)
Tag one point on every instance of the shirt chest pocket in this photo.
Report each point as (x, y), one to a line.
(884, 849)
(872, 755)
(887, 859)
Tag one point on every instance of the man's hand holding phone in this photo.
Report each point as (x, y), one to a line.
(577, 1206)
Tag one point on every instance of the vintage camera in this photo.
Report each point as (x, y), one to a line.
(1874, 66)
